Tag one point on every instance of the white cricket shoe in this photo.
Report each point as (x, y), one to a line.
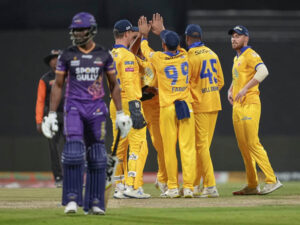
(119, 191)
(197, 191)
(71, 207)
(268, 188)
(171, 193)
(163, 187)
(136, 193)
(209, 192)
(187, 193)
(97, 211)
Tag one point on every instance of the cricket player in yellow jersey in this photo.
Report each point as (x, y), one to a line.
(150, 103)
(176, 114)
(130, 83)
(247, 72)
(206, 81)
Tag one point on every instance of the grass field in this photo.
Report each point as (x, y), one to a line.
(42, 206)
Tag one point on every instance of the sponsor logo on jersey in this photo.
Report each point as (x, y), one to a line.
(87, 56)
(87, 73)
(246, 118)
(151, 54)
(98, 61)
(129, 62)
(129, 69)
(98, 112)
(75, 62)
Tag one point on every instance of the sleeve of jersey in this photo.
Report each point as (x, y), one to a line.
(109, 65)
(220, 76)
(130, 72)
(254, 60)
(61, 66)
(147, 51)
(40, 102)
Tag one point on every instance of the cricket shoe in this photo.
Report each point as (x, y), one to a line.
(197, 191)
(136, 193)
(95, 210)
(163, 187)
(71, 208)
(171, 193)
(209, 192)
(247, 191)
(268, 188)
(187, 193)
(119, 191)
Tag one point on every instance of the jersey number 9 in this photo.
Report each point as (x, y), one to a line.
(172, 73)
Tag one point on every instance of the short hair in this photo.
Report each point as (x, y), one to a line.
(117, 34)
(194, 39)
(171, 48)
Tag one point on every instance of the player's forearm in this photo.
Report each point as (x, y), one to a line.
(253, 82)
(135, 46)
(55, 96)
(116, 96)
(146, 50)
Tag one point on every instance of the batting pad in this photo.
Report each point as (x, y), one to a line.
(95, 177)
(73, 158)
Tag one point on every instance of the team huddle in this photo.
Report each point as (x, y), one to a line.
(173, 93)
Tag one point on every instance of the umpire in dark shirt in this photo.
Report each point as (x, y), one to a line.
(42, 107)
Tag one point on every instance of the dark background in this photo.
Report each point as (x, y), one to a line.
(29, 29)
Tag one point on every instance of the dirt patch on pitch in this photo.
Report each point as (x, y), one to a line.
(239, 201)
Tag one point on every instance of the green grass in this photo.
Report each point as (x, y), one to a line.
(264, 215)
(272, 215)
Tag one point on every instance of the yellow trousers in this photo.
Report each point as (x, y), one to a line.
(151, 111)
(138, 151)
(246, 124)
(205, 126)
(184, 130)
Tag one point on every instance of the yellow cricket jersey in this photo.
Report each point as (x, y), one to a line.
(147, 73)
(127, 71)
(243, 70)
(172, 74)
(206, 78)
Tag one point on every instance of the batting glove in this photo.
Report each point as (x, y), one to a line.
(50, 125)
(124, 123)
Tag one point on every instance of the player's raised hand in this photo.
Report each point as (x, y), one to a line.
(144, 27)
(157, 24)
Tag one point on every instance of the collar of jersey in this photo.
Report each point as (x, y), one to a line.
(196, 44)
(172, 54)
(120, 46)
(243, 49)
